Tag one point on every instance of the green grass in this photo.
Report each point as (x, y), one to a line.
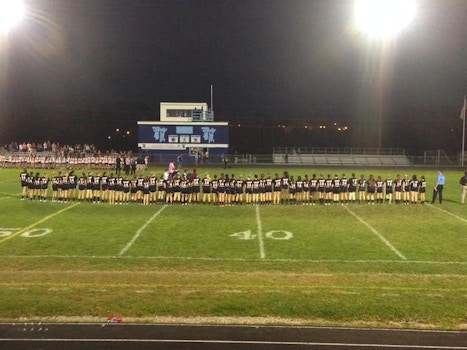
(405, 266)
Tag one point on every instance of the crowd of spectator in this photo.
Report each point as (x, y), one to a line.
(50, 147)
(53, 154)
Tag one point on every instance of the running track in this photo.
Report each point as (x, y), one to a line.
(226, 337)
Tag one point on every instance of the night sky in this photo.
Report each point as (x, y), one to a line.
(76, 70)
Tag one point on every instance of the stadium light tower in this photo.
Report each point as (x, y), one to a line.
(11, 13)
(380, 22)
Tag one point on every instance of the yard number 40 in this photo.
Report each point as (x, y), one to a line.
(276, 234)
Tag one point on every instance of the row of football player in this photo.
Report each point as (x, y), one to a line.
(224, 190)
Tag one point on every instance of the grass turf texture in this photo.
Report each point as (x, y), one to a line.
(382, 265)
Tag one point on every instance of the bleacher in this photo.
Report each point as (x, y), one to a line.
(341, 157)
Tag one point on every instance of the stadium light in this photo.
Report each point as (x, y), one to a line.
(383, 19)
(11, 13)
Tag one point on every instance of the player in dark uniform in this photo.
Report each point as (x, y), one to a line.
(184, 191)
(328, 189)
(362, 186)
(306, 190)
(262, 189)
(313, 189)
(255, 196)
(398, 189)
(126, 188)
(239, 188)
(276, 189)
(206, 184)
(221, 190)
(322, 189)
(37, 186)
(152, 188)
(371, 190)
(96, 188)
(82, 187)
(268, 187)
(89, 187)
(118, 189)
(336, 188)
(63, 187)
(389, 189)
(176, 188)
(232, 190)
(146, 191)
(112, 185)
(422, 189)
(23, 177)
(169, 190)
(105, 187)
(140, 189)
(248, 190)
(414, 187)
(215, 189)
(344, 190)
(133, 189)
(285, 188)
(299, 190)
(352, 188)
(406, 189)
(195, 183)
(55, 186)
(44, 186)
(379, 190)
(161, 189)
(292, 190)
(30, 182)
(72, 183)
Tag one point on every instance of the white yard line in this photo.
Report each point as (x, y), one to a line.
(379, 235)
(445, 211)
(260, 233)
(4, 198)
(138, 233)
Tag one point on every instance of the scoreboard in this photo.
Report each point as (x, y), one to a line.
(177, 136)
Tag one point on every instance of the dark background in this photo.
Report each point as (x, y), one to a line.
(75, 71)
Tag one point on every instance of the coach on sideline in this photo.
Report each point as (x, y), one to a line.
(438, 190)
(463, 182)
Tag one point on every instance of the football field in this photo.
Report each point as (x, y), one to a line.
(357, 264)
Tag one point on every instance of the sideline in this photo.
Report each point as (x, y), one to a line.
(141, 229)
(188, 258)
(37, 223)
(394, 249)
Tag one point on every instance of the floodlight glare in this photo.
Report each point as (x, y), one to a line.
(11, 12)
(383, 18)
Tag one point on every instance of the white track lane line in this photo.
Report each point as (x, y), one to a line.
(233, 342)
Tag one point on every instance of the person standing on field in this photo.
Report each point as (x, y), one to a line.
(438, 190)
(463, 183)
